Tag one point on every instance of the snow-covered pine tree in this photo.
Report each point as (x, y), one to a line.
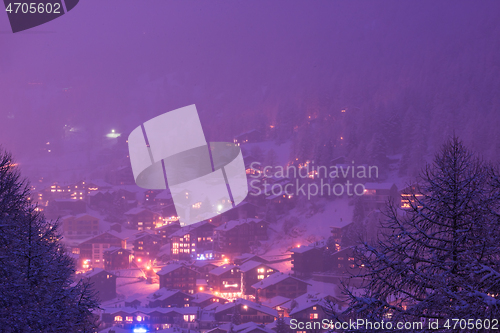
(36, 290)
(438, 260)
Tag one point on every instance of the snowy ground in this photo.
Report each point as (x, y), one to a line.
(128, 288)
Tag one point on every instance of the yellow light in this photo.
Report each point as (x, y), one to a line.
(201, 288)
(245, 307)
(226, 260)
(139, 259)
(148, 267)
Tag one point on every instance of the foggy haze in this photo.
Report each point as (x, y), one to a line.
(114, 64)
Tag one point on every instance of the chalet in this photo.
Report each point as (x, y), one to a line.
(203, 300)
(61, 207)
(153, 319)
(253, 272)
(237, 236)
(191, 240)
(242, 258)
(225, 279)
(164, 253)
(103, 283)
(116, 258)
(338, 228)
(126, 194)
(277, 303)
(306, 260)
(249, 311)
(176, 276)
(248, 327)
(314, 306)
(342, 261)
(203, 267)
(150, 195)
(97, 185)
(166, 230)
(410, 197)
(251, 136)
(166, 298)
(146, 245)
(280, 284)
(133, 302)
(74, 191)
(92, 249)
(376, 195)
(81, 225)
(253, 167)
(142, 219)
(163, 198)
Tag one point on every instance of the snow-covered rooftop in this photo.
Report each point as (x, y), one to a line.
(162, 294)
(250, 304)
(222, 269)
(273, 279)
(234, 223)
(170, 268)
(248, 265)
(275, 301)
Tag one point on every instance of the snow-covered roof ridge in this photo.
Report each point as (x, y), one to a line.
(250, 264)
(250, 304)
(170, 268)
(222, 269)
(136, 210)
(273, 279)
(162, 294)
(234, 223)
(188, 228)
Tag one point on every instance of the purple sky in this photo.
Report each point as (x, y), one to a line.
(126, 62)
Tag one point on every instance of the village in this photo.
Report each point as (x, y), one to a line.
(153, 273)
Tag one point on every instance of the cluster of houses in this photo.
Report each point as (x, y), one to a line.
(206, 274)
(204, 296)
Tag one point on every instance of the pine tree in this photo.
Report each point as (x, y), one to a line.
(36, 290)
(236, 317)
(280, 325)
(439, 260)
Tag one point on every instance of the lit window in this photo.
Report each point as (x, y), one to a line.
(129, 318)
(186, 318)
(260, 277)
(139, 318)
(118, 318)
(260, 270)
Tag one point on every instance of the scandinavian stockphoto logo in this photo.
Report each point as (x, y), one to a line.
(170, 151)
(25, 15)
